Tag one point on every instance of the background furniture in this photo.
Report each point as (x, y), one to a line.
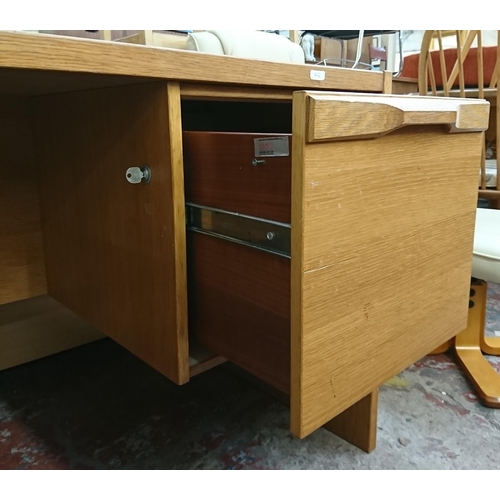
(246, 43)
(464, 71)
(379, 55)
(332, 52)
(77, 115)
(170, 40)
(159, 38)
(345, 35)
(252, 44)
(473, 72)
(470, 344)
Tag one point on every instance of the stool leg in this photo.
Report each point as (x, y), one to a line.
(490, 345)
(468, 350)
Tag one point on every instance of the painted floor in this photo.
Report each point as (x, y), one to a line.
(99, 407)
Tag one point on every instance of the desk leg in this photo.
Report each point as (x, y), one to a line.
(358, 424)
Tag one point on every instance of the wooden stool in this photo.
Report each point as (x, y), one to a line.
(470, 344)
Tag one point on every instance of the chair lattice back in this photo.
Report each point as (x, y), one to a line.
(427, 70)
(436, 78)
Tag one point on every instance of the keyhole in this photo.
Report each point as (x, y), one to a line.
(129, 175)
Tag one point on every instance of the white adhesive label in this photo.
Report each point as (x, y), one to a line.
(271, 146)
(317, 75)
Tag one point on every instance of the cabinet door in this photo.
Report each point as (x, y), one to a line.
(115, 251)
(384, 192)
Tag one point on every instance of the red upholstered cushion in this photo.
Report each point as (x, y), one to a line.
(410, 68)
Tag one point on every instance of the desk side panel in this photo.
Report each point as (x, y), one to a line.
(115, 251)
(22, 269)
(33, 328)
(381, 259)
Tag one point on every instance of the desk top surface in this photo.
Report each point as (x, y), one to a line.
(34, 64)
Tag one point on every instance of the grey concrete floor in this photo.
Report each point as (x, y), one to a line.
(99, 407)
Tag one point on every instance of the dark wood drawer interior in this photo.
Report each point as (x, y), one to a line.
(238, 296)
(239, 305)
(220, 172)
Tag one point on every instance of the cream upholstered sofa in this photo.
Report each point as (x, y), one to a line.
(248, 44)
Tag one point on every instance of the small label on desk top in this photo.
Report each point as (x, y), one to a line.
(317, 74)
(271, 146)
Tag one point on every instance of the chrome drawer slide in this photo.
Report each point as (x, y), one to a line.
(262, 234)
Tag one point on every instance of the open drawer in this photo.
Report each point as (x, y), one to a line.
(376, 270)
(376, 200)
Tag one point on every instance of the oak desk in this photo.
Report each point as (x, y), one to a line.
(377, 273)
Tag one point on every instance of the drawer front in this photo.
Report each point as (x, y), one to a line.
(239, 305)
(220, 172)
(382, 231)
(238, 241)
(377, 276)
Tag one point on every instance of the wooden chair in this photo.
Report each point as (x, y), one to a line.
(444, 34)
(464, 71)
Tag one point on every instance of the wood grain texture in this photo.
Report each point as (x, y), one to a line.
(362, 116)
(299, 124)
(22, 269)
(387, 82)
(175, 259)
(55, 53)
(29, 82)
(33, 328)
(403, 85)
(239, 306)
(358, 424)
(380, 272)
(197, 91)
(219, 173)
(115, 251)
